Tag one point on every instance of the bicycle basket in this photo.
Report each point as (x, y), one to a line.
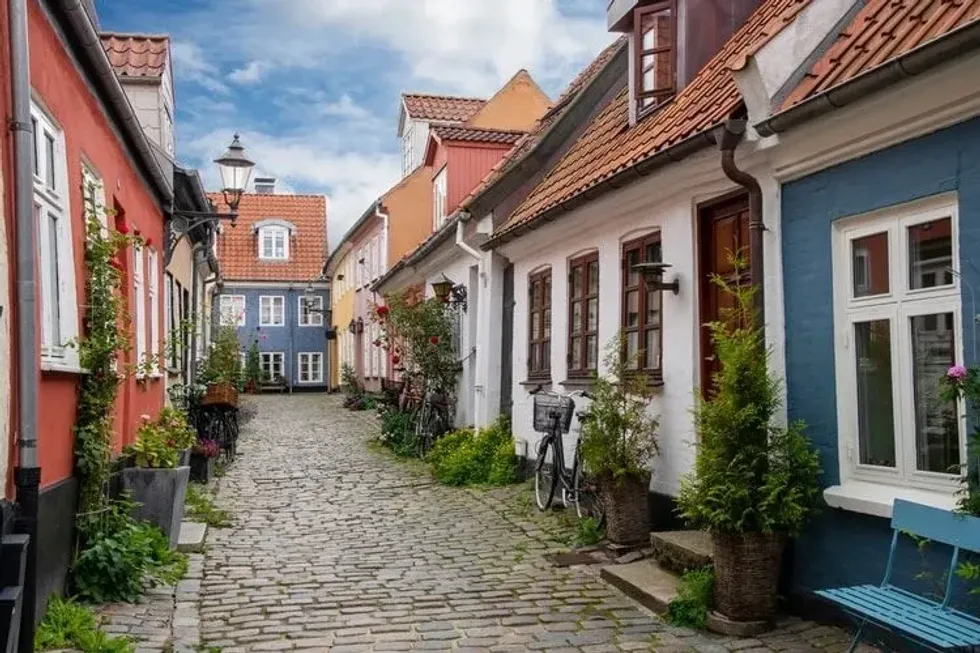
(547, 405)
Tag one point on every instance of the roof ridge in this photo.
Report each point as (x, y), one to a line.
(444, 96)
(134, 35)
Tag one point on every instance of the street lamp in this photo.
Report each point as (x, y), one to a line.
(450, 293)
(653, 274)
(236, 170)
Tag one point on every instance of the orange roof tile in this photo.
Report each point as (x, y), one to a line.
(238, 245)
(441, 108)
(882, 30)
(471, 135)
(136, 55)
(609, 145)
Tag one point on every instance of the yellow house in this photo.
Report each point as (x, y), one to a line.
(340, 269)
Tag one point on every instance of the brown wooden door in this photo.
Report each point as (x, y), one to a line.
(723, 232)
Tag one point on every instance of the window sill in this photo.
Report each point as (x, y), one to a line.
(533, 383)
(585, 382)
(877, 499)
(61, 367)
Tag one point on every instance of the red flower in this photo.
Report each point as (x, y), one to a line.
(396, 359)
(122, 226)
(434, 340)
(382, 311)
(149, 242)
(377, 343)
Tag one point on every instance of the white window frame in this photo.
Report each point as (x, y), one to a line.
(408, 150)
(439, 192)
(228, 307)
(272, 301)
(272, 234)
(273, 360)
(868, 488)
(139, 294)
(307, 358)
(310, 318)
(56, 263)
(93, 194)
(153, 293)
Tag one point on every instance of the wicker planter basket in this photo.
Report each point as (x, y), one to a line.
(747, 574)
(626, 502)
(220, 393)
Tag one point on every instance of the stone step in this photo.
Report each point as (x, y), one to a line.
(191, 538)
(644, 581)
(680, 551)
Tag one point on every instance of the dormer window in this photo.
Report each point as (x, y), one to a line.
(655, 55)
(274, 243)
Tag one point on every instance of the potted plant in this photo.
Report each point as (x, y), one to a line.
(203, 456)
(253, 369)
(754, 483)
(155, 480)
(223, 369)
(619, 440)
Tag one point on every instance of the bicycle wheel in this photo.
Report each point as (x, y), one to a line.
(421, 427)
(588, 501)
(545, 475)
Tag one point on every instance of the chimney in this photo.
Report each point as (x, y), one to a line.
(265, 185)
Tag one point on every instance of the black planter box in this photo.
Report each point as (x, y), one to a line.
(202, 468)
(159, 494)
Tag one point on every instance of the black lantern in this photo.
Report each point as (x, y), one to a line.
(653, 274)
(236, 171)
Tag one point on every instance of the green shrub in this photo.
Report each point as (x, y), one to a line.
(694, 599)
(587, 532)
(398, 432)
(199, 506)
(465, 457)
(68, 625)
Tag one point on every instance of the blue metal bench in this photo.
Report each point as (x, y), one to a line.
(936, 626)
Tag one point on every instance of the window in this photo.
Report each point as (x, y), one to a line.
(93, 193)
(539, 325)
(654, 37)
(311, 367)
(274, 243)
(408, 150)
(272, 364)
(311, 311)
(56, 267)
(271, 310)
(642, 308)
(139, 293)
(897, 317)
(153, 275)
(439, 199)
(232, 310)
(583, 315)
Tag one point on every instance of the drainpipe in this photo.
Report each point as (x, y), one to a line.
(196, 259)
(27, 474)
(460, 242)
(732, 133)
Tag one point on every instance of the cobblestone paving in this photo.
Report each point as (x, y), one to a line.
(336, 546)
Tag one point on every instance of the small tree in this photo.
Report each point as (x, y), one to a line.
(224, 361)
(419, 335)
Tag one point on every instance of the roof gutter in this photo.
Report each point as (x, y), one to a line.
(461, 240)
(959, 42)
(85, 40)
(676, 152)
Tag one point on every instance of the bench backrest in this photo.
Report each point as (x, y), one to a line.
(955, 529)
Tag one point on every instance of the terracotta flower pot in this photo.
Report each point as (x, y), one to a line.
(626, 502)
(747, 574)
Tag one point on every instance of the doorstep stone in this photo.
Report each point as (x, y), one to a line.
(192, 537)
(644, 581)
(680, 551)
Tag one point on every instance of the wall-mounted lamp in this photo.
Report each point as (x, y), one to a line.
(448, 292)
(653, 274)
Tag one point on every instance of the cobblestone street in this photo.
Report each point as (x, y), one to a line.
(337, 546)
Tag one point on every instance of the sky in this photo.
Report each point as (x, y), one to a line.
(314, 86)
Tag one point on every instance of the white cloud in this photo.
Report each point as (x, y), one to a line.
(251, 73)
(191, 64)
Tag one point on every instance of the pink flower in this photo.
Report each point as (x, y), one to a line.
(956, 373)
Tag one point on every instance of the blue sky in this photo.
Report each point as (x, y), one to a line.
(313, 85)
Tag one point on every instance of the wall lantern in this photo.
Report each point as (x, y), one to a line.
(450, 293)
(653, 274)
(352, 327)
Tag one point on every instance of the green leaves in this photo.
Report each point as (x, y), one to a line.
(694, 600)
(68, 625)
(465, 457)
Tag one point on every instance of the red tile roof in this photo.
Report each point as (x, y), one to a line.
(441, 108)
(471, 135)
(609, 145)
(136, 55)
(882, 30)
(238, 246)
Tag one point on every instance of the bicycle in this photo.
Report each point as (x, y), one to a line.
(220, 423)
(432, 421)
(553, 412)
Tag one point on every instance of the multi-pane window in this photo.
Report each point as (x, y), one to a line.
(583, 315)
(231, 310)
(408, 150)
(272, 310)
(539, 325)
(274, 243)
(439, 199)
(272, 364)
(311, 311)
(152, 276)
(139, 293)
(93, 193)
(654, 38)
(311, 367)
(56, 266)
(642, 308)
(897, 310)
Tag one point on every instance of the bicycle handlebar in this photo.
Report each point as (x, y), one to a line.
(564, 395)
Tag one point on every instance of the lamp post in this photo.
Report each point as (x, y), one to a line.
(653, 274)
(236, 170)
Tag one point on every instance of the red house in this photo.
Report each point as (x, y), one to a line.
(76, 130)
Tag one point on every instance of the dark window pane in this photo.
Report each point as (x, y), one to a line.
(34, 154)
(594, 278)
(576, 283)
(937, 435)
(576, 325)
(653, 308)
(535, 326)
(632, 349)
(652, 346)
(931, 254)
(49, 154)
(546, 356)
(652, 253)
(632, 276)
(869, 256)
(632, 308)
(876, 426)
(593, 320)
(576, 352)
(55, 298)
(535, 358)
(547, 323)
(592, 352)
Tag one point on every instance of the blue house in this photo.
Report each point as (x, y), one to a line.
(271, 289)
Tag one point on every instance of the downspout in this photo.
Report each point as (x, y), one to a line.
(460, 241)
(27, 474)
(196, 259)
(733, 131)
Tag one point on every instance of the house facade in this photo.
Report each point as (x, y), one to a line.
(270, 288)
(90, 156)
